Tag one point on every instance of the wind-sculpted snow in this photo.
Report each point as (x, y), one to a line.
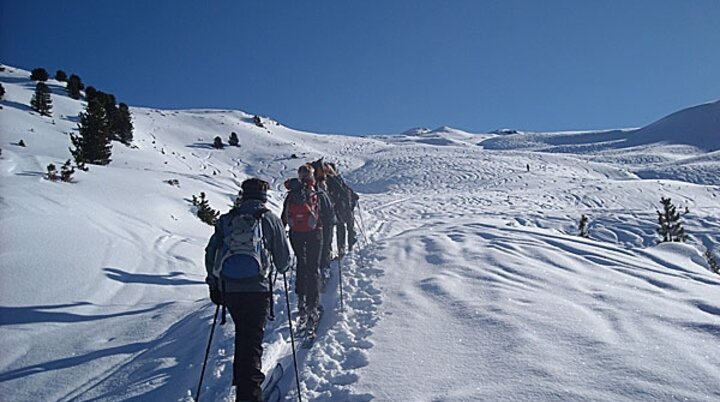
(468, 283)
(488, 311)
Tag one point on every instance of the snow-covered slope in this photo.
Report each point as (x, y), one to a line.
(469, 282)
(697, 126)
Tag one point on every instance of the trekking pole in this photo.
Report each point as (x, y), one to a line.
(292, 337)
(342, 305)
(207, 353)
(362, 224)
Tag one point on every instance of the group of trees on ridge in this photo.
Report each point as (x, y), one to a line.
(233, 140)
(103, 121)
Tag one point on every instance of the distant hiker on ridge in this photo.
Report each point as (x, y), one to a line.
(239, 258)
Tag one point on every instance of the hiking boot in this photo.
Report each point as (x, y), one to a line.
(302, 314)
(314, 315)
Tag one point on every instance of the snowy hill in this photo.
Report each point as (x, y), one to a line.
(697, 126)
(469, 283)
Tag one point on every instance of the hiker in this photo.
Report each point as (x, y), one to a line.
(239, 259)
(344, 199)
(301, 212)
(327, 216)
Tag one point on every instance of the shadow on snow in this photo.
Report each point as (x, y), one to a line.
(171, 279)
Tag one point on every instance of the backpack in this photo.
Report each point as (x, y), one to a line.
(344, 198)
(243, 253)
(303, 210)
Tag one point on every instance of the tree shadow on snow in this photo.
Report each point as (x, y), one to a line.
(74, 361)
(17, 105)
(30, 174)
(201, 145)
(72, 119)
(171, 278)
(14, 80)
(183, 342)
(50, 314)
(68, 362)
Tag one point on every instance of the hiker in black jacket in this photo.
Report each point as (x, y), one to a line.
(327, 215)
(344, 200)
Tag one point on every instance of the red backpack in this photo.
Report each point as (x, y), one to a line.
(303, 209)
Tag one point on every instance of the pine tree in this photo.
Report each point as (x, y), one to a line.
(92, 145)
(41, 101)
(111, 112)
(583, 227)
(712, 261)
(204, 211)
(52, 173)
(124, 125)
(74, 86)
(2, 91)
(671, 229)
(66, 172)
(39, 74)
(233, 141)
(90, 93)
(61, 76)
(217, 143)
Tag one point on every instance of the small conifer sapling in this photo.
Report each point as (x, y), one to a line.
(583, 227)
(671, 229)
(52, 173)
(233, 141)
(204, 211)
(66, 172)
(712, 261)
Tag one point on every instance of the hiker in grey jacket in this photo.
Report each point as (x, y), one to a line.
(248, 299)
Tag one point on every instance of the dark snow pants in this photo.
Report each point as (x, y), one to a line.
(346, 225)
(326, 246)
(307, 247)
(248, 311)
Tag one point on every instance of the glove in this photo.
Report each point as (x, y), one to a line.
(216, 296)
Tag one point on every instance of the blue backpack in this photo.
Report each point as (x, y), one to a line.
(243, 253)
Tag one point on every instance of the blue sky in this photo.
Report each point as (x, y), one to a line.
(361, 67)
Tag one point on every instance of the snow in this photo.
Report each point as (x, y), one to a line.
(469, 282)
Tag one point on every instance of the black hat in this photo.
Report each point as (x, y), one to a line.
(254, 189)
